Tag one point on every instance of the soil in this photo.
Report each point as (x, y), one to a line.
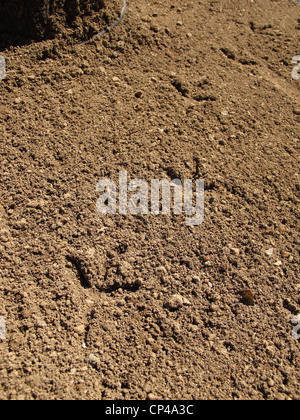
(136, 307)
(24, 21)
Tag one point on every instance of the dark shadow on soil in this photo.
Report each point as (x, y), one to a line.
(26, 21)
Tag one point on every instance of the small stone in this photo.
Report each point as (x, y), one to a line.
(155, 28)
(37, 204)
(235, 251)
(296, 320)
(296, 111)
(278, 263)
(161, 270)
(193, 328)
(2, 328)
(248, 297)
(269, 252)
(26, 313)
(93, 360)
(90, 302)
(271, 351)
(152, 397)
(196, 279)
(18, 101)
(186, 301)
(20, 224)
(175, 302)
(125, 268)
(4, 235)
(80, 329)
(213, 307)
(38, 322)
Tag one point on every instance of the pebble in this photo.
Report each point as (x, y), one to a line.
(235, 251)
(93, 360)
(213, 307)
(152, 397)
(278, 263)
(2, 328)
(125, 268)
(297, 111)
(80, 329)
(296, 319)
(37, 204)
(175, 302)
(4, 235)
(196, 279)
(38, 322)
(186, 301)
(90, 302)
(270, 351)
(193, 328)
(18, 101)
(20, 224)
(161, 270)
(269, 252)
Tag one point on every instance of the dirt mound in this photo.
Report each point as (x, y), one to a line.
(24, 21)
(135, 307)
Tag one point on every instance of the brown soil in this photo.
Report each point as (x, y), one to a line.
(199, 89)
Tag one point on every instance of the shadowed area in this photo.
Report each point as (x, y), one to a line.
(25, 21)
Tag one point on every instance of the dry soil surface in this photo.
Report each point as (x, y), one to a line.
(136, 307)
